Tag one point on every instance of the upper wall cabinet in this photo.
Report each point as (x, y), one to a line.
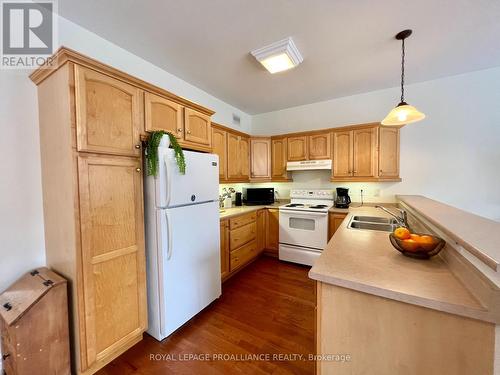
(197, 127)
(219, 144)
(163, 114)
(315, 146)
(342, 154)
(278, 159)
(297, 148)
(388, 156)
(319, 146)
(238, 158)
(192, 128)
(260, 159)
(355, 153)
(365, 152)
(108, 114)
(368, 153)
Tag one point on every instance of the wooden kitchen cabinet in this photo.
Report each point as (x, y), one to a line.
(261, 230)
(224, 249)
(388, 156)
(191, 127)
(279, 159)
(197, 128)
(260, 159)
(163, 114)
(238, 158)
(272, 231)
(335, 219)
(108, 114)
(93, 215)
(355, 154)
(297, 148)
(342, 154)
(364, 152)
(219, 147)
(319, 146)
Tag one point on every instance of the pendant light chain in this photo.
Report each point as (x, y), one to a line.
(402, 71)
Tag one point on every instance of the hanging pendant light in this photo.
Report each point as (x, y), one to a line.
(403, 113)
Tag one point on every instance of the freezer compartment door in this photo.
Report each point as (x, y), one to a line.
(200, 183)
(190, 274)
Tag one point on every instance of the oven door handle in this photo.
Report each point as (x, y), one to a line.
(303, 212)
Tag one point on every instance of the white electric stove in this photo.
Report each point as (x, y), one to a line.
(304, 225)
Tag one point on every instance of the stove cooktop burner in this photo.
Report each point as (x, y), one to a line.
(295, 205)
(319, 206)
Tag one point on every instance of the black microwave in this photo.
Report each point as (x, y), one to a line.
(257, 196)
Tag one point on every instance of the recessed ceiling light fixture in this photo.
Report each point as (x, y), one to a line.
(403, 113)
(278, 56)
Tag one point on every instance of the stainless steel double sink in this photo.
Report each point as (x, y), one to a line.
(379, 223)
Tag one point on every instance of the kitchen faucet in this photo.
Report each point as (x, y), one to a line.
(402, 220)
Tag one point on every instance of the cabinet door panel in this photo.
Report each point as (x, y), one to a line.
(233, 156)
(272, 231)
(279, 154)
(260, 152)
(108, 114)
(244, 158)
(297, 148)
(365, 152)
(197, 127)
(163, 114)
(388, 152)
(342, 154)
(320, 146)
(224, 249)
(219, 141)
(113, 263)
(261, 230)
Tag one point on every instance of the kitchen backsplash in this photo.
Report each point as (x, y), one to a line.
(372, 191)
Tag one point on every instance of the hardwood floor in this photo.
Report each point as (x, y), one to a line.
(266, 309)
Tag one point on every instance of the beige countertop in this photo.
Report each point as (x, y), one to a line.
(235, 211)
(365, 261)
(480, 236)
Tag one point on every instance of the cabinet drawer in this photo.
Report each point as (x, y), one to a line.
(243, 255)
(242, 235)
(241, 220)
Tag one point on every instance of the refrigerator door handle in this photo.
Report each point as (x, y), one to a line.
(167, 180)
(169, 236)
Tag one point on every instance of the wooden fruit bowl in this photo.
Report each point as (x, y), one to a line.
(420, 252)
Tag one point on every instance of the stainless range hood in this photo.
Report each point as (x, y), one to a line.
(309, 165)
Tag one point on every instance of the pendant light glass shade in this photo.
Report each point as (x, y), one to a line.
(403, 114)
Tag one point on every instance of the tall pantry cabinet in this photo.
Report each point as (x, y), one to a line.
(90, 126)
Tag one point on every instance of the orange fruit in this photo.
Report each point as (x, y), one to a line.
(415, 237)
(409, 245)
(402, 233)
(427, 242)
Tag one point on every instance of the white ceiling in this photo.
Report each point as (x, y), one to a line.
(348, 46)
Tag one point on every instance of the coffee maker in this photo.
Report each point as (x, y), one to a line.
(342, 200)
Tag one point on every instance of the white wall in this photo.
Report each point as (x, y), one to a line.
(452, 156)
(21, 216)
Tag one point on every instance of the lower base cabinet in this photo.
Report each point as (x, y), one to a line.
(380, 336)
(335, 219)
(272, 232)
(246, 236)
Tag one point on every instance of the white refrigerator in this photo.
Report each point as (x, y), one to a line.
(182, 239)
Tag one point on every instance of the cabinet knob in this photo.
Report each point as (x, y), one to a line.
(5, 356)
(189, 131)
(137, 146)
(138, 169)
(380, 171)
(179, 130)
